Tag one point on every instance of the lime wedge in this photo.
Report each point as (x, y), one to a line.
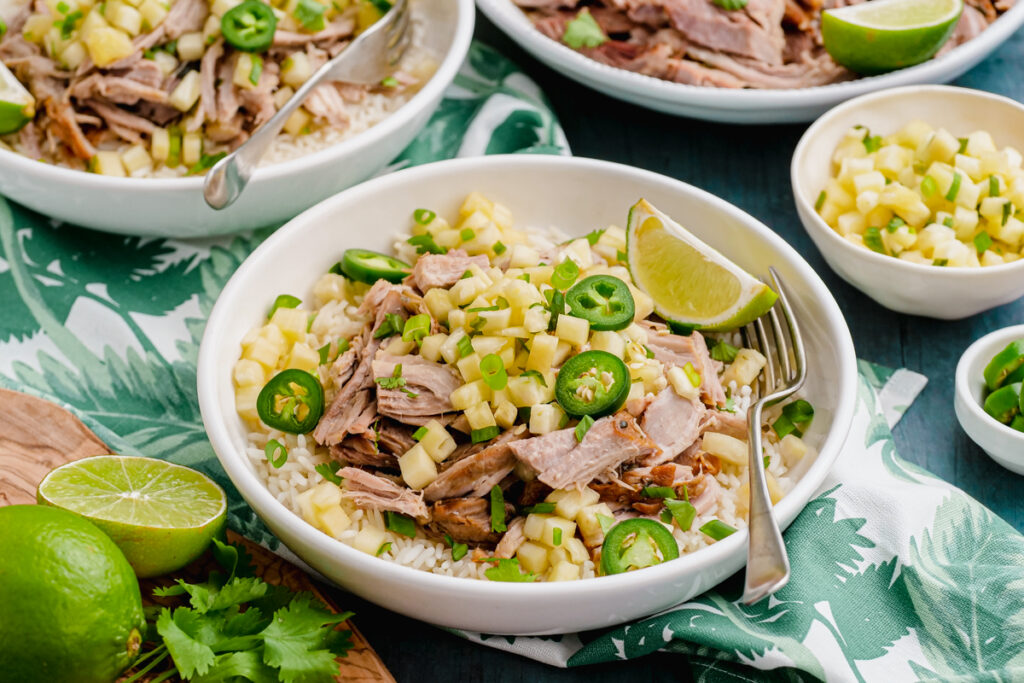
(883, 35)
(162, 516)
(690, 283)
(17, 106)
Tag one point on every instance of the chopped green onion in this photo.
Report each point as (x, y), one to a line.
(621, 256)
(783, 426)
(325, 351)
(683, 512)
(425, 243)
(648, 352)
(459, 551)
(389, 82)
(536, 375)
(556, 303)
(565, 274)
(1007, 210)
(493, 370)
(982, 242)
(586, 422)
(692, 374)
(329, 471)
(820, 202)
(730, 5)
(284, 301)
(540, 508)
(993, 186)
(256, 70)
(485, 434)
(940, 262)
(963, 145)
(658, 492)
(423, 216)
(872, 143)
(873, 240)
(928, 186)
(483, 309)
(499, 248)
(400, 524)
(416, 328)
(277, 454)
(384, 547)
(477, 323)
(594, 235)
(556, 536)
(948, 221)
(799, 411)
(724, 352)
(467, 234)
(717, 529)
(954, 187)
(498, 509)
(464, 346)
(420, 433)
(524, 276)
(466, 275)
(766, 461)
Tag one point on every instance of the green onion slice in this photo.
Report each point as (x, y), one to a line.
(284, 301)
(400, 524)
(485, 434)
(420, 433)
(464, 346)
(276, 453)
(565, 274)
(658, 492)
(416, 328)
(586, 422)
(929, 186)
(717, 529)
(540, 508)
(954, 188)
(682, 511)
(497, 509)
(467, 234)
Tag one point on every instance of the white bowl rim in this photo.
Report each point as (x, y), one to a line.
(808, 139)
(247, 483)
(445, 73)
(502, 13)
(992, 340)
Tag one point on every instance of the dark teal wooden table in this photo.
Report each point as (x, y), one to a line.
(748, 166)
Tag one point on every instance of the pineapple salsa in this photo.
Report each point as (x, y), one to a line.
(928, 197)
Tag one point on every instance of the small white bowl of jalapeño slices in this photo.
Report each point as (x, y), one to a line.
(990, 395)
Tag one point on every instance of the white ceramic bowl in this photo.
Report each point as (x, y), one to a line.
(946, 293)
(1003, 444)
(733, 105)
(174, 207)
(576, 195)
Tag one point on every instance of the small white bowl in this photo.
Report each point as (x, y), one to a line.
(946, 293)
(738, 105)
(1003, 444)
(576, 195)
(174, 207)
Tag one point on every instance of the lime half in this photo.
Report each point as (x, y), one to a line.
(161, 515)
(17, 106)
(690, 283)
(883, 35)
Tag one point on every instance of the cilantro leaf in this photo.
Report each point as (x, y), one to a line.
(583, 31)
(508, 570)
(296, 642)
(232, 666)
(232, 557)
(190, 656)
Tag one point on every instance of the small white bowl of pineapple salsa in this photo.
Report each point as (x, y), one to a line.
(915, 196)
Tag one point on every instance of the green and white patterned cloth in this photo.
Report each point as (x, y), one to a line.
(896, 575)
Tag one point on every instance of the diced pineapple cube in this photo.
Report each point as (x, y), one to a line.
(211, 29)
(792, 449)
(73, 55)
(852, 222)
(292, 322)
(186, 94)
(438, 303)
(542, 352)
(330, 287)
(725, 447)
(636, 400)
(609, 341)
(532, 557)
(430, 348)
(556, 555)
(248, 373)
(469, 395)
(536, 319)
(325, 496)
(333, 521)
(296, 70)
(505, 414)
(108, 162)
(245, 401)
(526, 391)
(533, 528)
(547, 535)
(263, 352)
(774, 490)
(590, 525)
(469, 367)
(136, 158)
(125, 17)
(369, 539)
(398, 347)
(745, 368)
(219, 8)
(681, 383)
(298, 122)
(160, 144)
(577, 550)
(522, 256)
(546, 418)
(980, 142)
(303, 358)
(418, 468)
(572, 330)
(36, 27)
(191, 148)
(869, 181)
(153, 13)
(574, 500)
(495, 321)
(437, 442)
(191, 46)
(480, 416)
(564, 571)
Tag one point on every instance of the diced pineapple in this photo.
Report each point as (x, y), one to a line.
(219, 8)
(263, 352)
(745, 368)
(470, 394)
(572, 330)
(136, 158)
(398, 347)
(681, 383)
(480, 416)
(725, 447)
(546, 418)
(438, 303)
(533, 557)
(303, 358)
(450, 346)
(291, 321)
(325, 496)
(108, 162)
(636, 400)
(160, 144)
(333, 521)
(298, 122)
(191, 46)
(437, 442)
(533, 528)
(547, 535)
(296, 70)
(980, 142)
(542, 353)
(248, 373)
(792, 449)
(526, 391)
(495, 321)
(574, 500)
(186, 94)
(153, 13)
(564, 571)
(418, 468)
(369, 539)
(125, 17)
(609, 341)
(774, 490)
(536, 319)
(522, 256)
(430, 348)
(36, 27)
(282, 95)
(73, 55)
(590, 525)
(211, 29)
(191, 148)
(469, 367)
(245, 401)
(576, 549)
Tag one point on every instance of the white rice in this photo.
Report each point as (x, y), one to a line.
(335, 320)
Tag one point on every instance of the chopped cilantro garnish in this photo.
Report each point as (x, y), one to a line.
(872, 143)
(329, 471)
(396, 381)
(310, 14)
(658, 492)
(508, 570)
(594, 235)
(425, 243)
(723, 351)
(393, 324)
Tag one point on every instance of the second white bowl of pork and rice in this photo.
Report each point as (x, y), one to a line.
(441, 468)
(134, 101)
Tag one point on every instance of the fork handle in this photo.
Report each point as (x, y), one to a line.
(767, 563)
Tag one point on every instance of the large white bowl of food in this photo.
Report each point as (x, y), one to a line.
(112, 113)
(505, 407)
(761, 61)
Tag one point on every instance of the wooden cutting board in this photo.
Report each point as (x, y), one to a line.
(36, 436)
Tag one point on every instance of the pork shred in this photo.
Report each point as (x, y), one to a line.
(424, 394)
(770, 44)
(467, 520)
(444, 270)
(476, 474)
(376, 492)
(676, 350)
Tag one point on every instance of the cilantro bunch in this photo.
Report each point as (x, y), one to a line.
(239, 628)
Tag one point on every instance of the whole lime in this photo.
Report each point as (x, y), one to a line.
(70, 608)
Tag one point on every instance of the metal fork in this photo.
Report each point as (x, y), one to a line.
(784, 374)
(369, 59)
